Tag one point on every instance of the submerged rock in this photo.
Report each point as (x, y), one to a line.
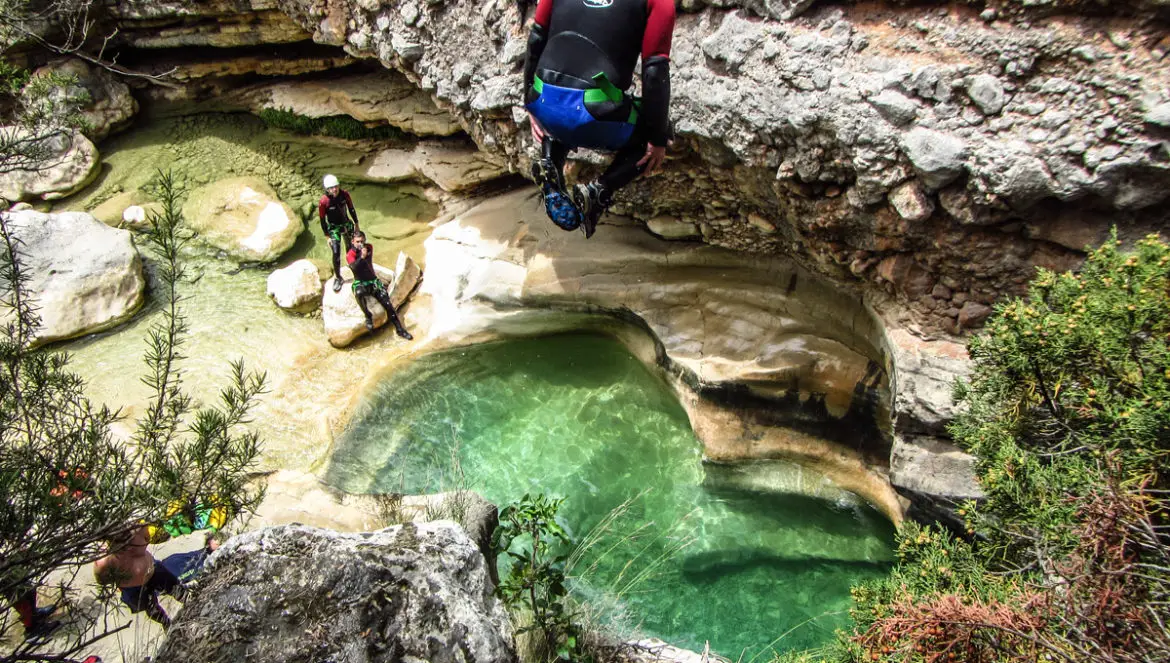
(71, 162)
(244, 217)
(83, 275)
(296, 287)
(343, 318)
(129, 209)
(410, 592)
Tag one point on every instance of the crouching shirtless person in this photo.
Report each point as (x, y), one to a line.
(142, 578)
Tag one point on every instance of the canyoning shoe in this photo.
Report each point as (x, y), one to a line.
(336, 284)
(558, 205)
(405, 334)
(45, 611)
(593, 200)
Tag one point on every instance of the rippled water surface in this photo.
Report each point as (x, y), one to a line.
(748, 557)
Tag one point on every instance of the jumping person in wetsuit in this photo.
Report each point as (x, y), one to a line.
(366, 284)
(333, 209)
(581, 57)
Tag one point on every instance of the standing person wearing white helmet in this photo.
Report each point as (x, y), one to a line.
(338, 221)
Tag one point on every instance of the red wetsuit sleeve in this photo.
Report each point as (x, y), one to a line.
(349, 204)
(544, 13)
(659, 28)
(322, 205)
(351, 257)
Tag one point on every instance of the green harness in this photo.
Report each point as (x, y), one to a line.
(362, 284)
(336, 230)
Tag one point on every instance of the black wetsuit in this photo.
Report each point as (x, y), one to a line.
(367, 284)
(572, 42)
(338, 221)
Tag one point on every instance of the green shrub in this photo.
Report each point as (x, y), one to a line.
(1068, 412)
(338, 126)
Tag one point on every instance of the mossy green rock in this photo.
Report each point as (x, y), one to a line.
(244, 217)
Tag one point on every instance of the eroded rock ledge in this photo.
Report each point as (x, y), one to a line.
(937, 154)
(769, 360)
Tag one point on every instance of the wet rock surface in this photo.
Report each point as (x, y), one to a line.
(408, 592)
(71, 162)
(342, 316)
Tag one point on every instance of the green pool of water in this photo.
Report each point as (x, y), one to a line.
(737, 555)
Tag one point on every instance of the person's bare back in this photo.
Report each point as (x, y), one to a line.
(131, 566)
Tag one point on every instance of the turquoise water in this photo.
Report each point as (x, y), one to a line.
(738, 555)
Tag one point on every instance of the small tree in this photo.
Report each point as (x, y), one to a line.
(1068, 412)
(536, 580)
(67, 486)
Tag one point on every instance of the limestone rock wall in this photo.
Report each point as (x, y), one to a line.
(935, 154)
(408, 592)
(932, 153)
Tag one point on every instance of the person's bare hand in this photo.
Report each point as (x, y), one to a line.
(537, 130)
(653, 159)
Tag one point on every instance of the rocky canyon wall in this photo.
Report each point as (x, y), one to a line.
(931, 156)
(936, 154)
(928, 157)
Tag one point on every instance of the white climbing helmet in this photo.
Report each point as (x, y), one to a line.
(330, 180)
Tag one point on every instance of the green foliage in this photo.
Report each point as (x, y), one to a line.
(1079, 369)
(67, 485)
(337, 126)
(529, 534)
(43, 115)
(1068, 412)
(12, 78)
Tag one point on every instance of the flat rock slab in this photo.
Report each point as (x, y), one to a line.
(450, 167)
(244, 217)
(380, 97)
(83, 275)
(406, 593)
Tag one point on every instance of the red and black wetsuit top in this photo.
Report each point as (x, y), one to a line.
(588, 36)
(332, 210)
(363, 268)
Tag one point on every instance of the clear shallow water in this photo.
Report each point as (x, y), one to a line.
(745, 554)
(200, 149)
(228, 310)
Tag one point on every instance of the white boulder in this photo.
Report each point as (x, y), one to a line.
(106, 102)
(296, 287)
(69, 163)
(343, 318)
(83, 275)
(244, 217)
